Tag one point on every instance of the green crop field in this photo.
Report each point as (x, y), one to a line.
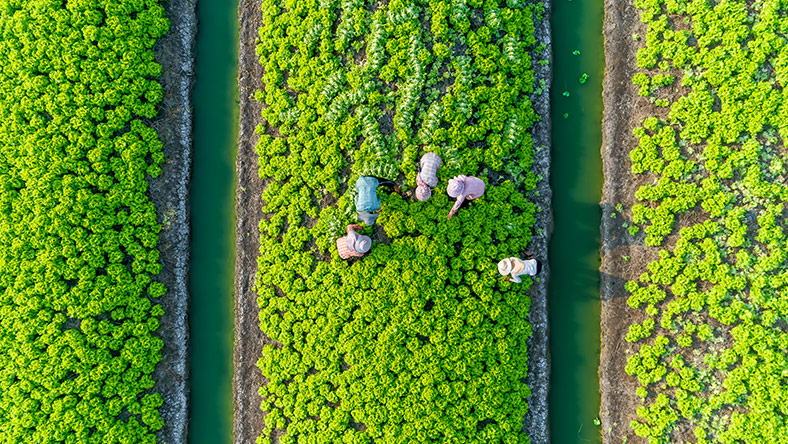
(712, 345)
(78, 233)
(420, 340)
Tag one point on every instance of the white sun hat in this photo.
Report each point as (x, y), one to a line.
(504, 267)
(455, 187)
(423, 192)
(363, 243)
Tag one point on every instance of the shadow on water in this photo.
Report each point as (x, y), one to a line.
(576, 180)
(215, 112)
(574, 318)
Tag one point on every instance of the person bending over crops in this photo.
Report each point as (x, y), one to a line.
(353, 244)
(463, 188)
(427, 177)
(516, 267)
(367, 200)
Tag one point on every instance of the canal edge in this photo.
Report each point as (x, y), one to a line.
(175, 52)
(537, 419)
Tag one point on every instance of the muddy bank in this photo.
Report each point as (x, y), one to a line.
(536, 421)
(169, 192)
(249, 340)
(624, 257)
(248, 419)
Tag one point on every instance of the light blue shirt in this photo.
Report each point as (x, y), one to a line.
(367, 199)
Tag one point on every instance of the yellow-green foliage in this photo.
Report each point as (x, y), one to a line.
(420, 340)
(78, 234)
(717, 300)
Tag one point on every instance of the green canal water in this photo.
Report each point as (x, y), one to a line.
(215, 111)
(576, 172)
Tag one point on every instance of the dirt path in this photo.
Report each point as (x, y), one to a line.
(624, 257)
(169, 192)
(537, 421)
(247, 417)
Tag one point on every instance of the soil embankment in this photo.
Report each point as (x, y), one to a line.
(537, 421)
(624, 257)
(248, 347)
(247, 418)
(169, 192)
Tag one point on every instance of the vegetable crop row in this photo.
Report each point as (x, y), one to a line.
(419, 341)
(710, 355)
(78, 233)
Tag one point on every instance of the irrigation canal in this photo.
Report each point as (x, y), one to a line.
(215, 111)
(576, 174)
(574, 249)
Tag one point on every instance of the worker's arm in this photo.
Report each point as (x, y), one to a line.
(457, 204)
(352, 227)
(419, 182)
(516, 279)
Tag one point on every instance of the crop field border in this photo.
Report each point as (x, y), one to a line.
(175, 52)
(706, 322)
(248, 418)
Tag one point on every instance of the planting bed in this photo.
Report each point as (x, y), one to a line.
(419, 340)
(95, 164)
(694, 289)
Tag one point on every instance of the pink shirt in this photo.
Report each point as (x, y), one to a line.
(428, 168)
(473, 188)
(345, 243)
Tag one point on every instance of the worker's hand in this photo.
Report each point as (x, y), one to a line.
(354, 227)
(451, 214)
(508, 279)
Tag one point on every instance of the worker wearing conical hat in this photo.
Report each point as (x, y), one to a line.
(353, 244)
(427, 176)
(516, 267)
(463, 188)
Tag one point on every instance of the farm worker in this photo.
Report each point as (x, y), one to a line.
(353, 244)
(462, 188)
(517, 267)
(427, 178)
(367, 200)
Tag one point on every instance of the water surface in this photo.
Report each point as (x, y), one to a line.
(576, 179)
(215, 111)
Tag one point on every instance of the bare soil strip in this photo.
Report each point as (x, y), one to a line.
(623, 257)
(249, 340)
(537, 421)
(169, 192)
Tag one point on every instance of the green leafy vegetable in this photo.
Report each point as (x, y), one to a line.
(717, 159)
(79, 234)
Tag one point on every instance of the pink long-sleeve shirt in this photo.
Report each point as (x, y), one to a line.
(473, 188)
(428, 168)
